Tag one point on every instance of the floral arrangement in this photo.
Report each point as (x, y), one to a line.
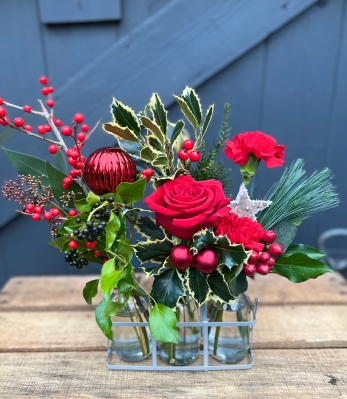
(201, 244)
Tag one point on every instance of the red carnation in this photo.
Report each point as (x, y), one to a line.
(257, 143)
(240, 230)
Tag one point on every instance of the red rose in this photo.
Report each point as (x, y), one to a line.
(240, 230)
(184, 206)
(256, 143)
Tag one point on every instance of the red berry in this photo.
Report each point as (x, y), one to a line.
(19, 122)
(195, 156)
(57, 122)
(72, 212)
(253, 257)
(97, 254)
(47, 216)
(180, 256)
(74, 154)
(85, 128)
(249, 269)
(52, 149)
(27, 211)
(66, 131)
(271, 262)
(78, 173)
(104, 260)
(263, 268)
(269, 236)
(36, 216)
(183, 155)
(48, 128)
(45, 91)
(27, 108)
(29, 206)
(69, 152)
(55, 212)
(51, 89)
(72, 244)
(65, 186)
(148, 172)
(264, 257)
(50, 102)
(41, 129)
(28, 128)
(81, 136)
(82, 158)
(2, 112)
(206, 261)
(188, 144)
(79, 165)
(67, 180)
(1, 101)
(5, 122)
(72, 173)
(38, 209)
(78, 118)
(90, 245)
(43, 80)
(276, 249)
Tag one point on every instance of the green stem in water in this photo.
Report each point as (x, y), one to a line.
(216, 337)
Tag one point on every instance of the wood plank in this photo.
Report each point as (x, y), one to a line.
(285, 374)
(296, 326)
(65, 292)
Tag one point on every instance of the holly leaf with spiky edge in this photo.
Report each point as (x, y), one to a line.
(159, 113)
(153, 271)
(168, 288)
(220, 288)
(120, 132)
(238, 285)
(153, 251)
(207, 120)
(197, 285)
(177, 130)
(158, 181)
(125, 117)
(146, 226)
(154, 128)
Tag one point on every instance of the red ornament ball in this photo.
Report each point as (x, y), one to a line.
(269, 236)
(276, 249)
(188, 144)
(249, 269)
(180, 256)
(106, 168)
(206, 261)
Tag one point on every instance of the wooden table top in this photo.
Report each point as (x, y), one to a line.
(51, 347)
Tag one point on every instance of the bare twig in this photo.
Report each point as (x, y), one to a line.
(94, 128)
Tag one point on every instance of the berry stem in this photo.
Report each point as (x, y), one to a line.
(21, 108)
(93, 130)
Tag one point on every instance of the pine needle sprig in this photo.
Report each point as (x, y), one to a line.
(208, 168)
(295, 197)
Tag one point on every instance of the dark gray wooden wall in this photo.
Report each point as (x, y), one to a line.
(282, 65)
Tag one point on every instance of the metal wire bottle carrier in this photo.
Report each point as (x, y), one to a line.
(204, 326)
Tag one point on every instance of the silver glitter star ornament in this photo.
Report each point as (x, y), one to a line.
(242, 205)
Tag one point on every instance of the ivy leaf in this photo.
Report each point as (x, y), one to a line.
(207, 120)
(125, 249)
(198, 286)
(132, 192)
(112, 227)
(299, 267)
(147, 154)
(155, 251)
(154, 128)
(27, 165)
(113, 308)
(119, 132)
(219, 287)
(178, 129)
(147, 228)
(125, 117)
(82, 205)
(162, 324)
(104, 323)
(92, 198)
(159, 112)
(193, 102)
(239, 284)
(168, 288)
(109, 281)
(187, 112)
(60, 160)
(304, 249)
(285, 232)
(90, 290)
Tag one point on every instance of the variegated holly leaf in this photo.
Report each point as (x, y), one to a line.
(207, 120)
(155, 145)
(238, 285)
(161, 162)
(177, 130)
(192, 100)
(125, 117)
(153, 271)
(146, 226)
(187, 112)
(120, 132)
(154, 128)
(158, 181)
(153, 251)
(159, 112)
(168, 288)
(201, 239)
(197, 285)
(147, 154)
(219, 287)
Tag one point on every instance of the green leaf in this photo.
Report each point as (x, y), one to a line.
(168, 288)
(132, 192)
(155, 145)
(229, 255)
(154, 128)
(219, 287)
(285, 232)
(159, 112)
(161, 162)
(300, 267)
(162, 323)
(231, 274)
(112, 227)
(104, 323)
(239, 284)
(198, 286)
(60, 160)
(178, 129)
(187, 112)
(109, 281)
(113, 308)
(193, 102)
(119, 132)
(92, 198)
(207, 120)
(125, 249)
(125, 117)
(147, 154)
(130, 147)
(304, 249)
(90, 290)
(147, 228)
(155, 251)
(27, 165)
(55, 177)
(82, 205)
(108, 267)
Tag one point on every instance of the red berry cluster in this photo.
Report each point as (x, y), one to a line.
(37, 211)
(262, 262)
(184, 154)
(147, 173)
